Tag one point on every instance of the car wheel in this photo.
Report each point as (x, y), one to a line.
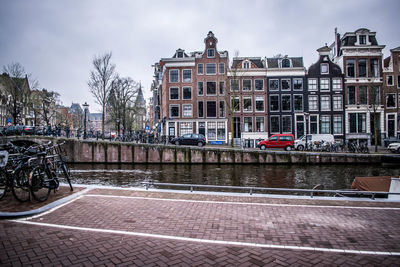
(300, 147)
(177, 143)
(200, 144)
(288, 148)
(263, 147)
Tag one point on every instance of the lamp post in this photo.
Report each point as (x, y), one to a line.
(85, 108)
(307, 116)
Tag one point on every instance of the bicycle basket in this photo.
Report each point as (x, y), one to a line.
(3, 158)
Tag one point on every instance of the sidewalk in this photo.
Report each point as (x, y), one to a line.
(157, 228)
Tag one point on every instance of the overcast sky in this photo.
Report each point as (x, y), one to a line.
(56, 40)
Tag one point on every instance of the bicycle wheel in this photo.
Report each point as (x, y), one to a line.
(3, 183)
(64, 174)
(20, 187)
(40, 191)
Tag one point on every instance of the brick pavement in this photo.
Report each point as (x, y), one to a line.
(192, 226)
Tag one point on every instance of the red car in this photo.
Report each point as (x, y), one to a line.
(285, 141)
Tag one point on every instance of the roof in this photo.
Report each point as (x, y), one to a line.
(397, 49)
(297, 62)
(255, 60)
(386, 62)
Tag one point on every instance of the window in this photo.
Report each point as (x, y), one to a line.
(285, 63)
(211, 130)
(325, 103)
(313, 102)
(274, 102)
(298, 102)
(174, 111)
(221, 109)
(247, 104)
(325, 124)
(350, 72)
(374, 67)
(259, 85)
(312, 85)
(187, 110)
(286, 124)
(211, 88)
(363, 39)
(210, 52)
(259, 103)
(324, 84)
(174, 93)
(200, 69)
(235, 85)
(351, 95)
(391, 101)
(211, 68)
(297, 84)
(362, 68)
(337, 102)
(211, 109)
(246, 65)
(221, 68)
(200, 88)
(220, 130)
(173, 76)
(389, 80)
(221, 88)
(171, 128)
(248, 124)
(200, 109)
(285, 84)
(286, 103)
(337, 84)
(186, 128)
(180, 54)
(274, 84)
(324, 68)
(187, 76)
(246, 85)
(186, 93)
(337, 124)
(260, 125)
(363, 93)
(313, 124)
(357, 122)
(235, 104)
(275, 124)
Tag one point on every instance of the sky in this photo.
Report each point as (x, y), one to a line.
(56, 40)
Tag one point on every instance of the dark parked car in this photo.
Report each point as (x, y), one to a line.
(14, 130)
(28, 130)
(39, 130)
(190, 139)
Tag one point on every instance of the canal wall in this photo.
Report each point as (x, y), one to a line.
(88, 151)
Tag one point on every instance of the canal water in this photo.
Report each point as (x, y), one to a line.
(277, 176)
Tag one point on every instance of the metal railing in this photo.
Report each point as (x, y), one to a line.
(311, 192)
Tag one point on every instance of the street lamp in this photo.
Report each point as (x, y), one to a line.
(307, 116)
(85, 108)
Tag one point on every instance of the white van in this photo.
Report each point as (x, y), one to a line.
(300, 144)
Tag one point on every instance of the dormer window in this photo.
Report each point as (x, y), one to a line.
(285, 63)
(246, 65)
(363, 39)
(179, 54)
(210, 52)
(324, 68)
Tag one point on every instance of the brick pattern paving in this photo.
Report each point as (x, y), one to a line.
(29, 245)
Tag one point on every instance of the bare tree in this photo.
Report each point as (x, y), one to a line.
(100, 82)
(16, 85)
(374, 104)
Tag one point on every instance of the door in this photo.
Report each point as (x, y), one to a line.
(236, 127)
(391, 126)
(272, 142)
(171, 129)
(202, 128)
(299, 126)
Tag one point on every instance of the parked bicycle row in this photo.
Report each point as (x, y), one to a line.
(28, 169)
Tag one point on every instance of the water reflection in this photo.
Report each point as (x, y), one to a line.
(284, 176)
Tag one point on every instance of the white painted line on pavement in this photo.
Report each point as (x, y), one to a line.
(208, 241)
(242, 203)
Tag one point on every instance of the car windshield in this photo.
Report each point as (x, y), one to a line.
(187, 136)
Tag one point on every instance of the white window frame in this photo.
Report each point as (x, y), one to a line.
(279, 123)
(208, 54)
(191, 76)
(251, 103)
(216, 108)
(202, 65)
(269, 85)
(324, 82)
(259, 99)
(337, 99)
(291, 123)
(341, 124)
(290, 105)
(209, 64)
(238, 84)
(219, 106)
(244, 123)
(219, 86)
(327, 67)
(243, 85)
(290, 84)
(309, 106)
(321, 123)
(255, 125)
(395, 100)
(216, 88)
(170, 110)
(335, 83)
(302, 103)
(302, 84)
(387, 80)
(259, 90)
(191, 93)
(246, 64)
(325, 99)
(174, 87)
(223, 68)
(198, 88)
(234, 98)
(279, 104)
(170, 75)
(313, 84)
(183, 110)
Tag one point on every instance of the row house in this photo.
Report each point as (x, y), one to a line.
(247, 113)
(391, 93)
(193, 96)
(325, 98)
(360, 58)
(286, 91)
